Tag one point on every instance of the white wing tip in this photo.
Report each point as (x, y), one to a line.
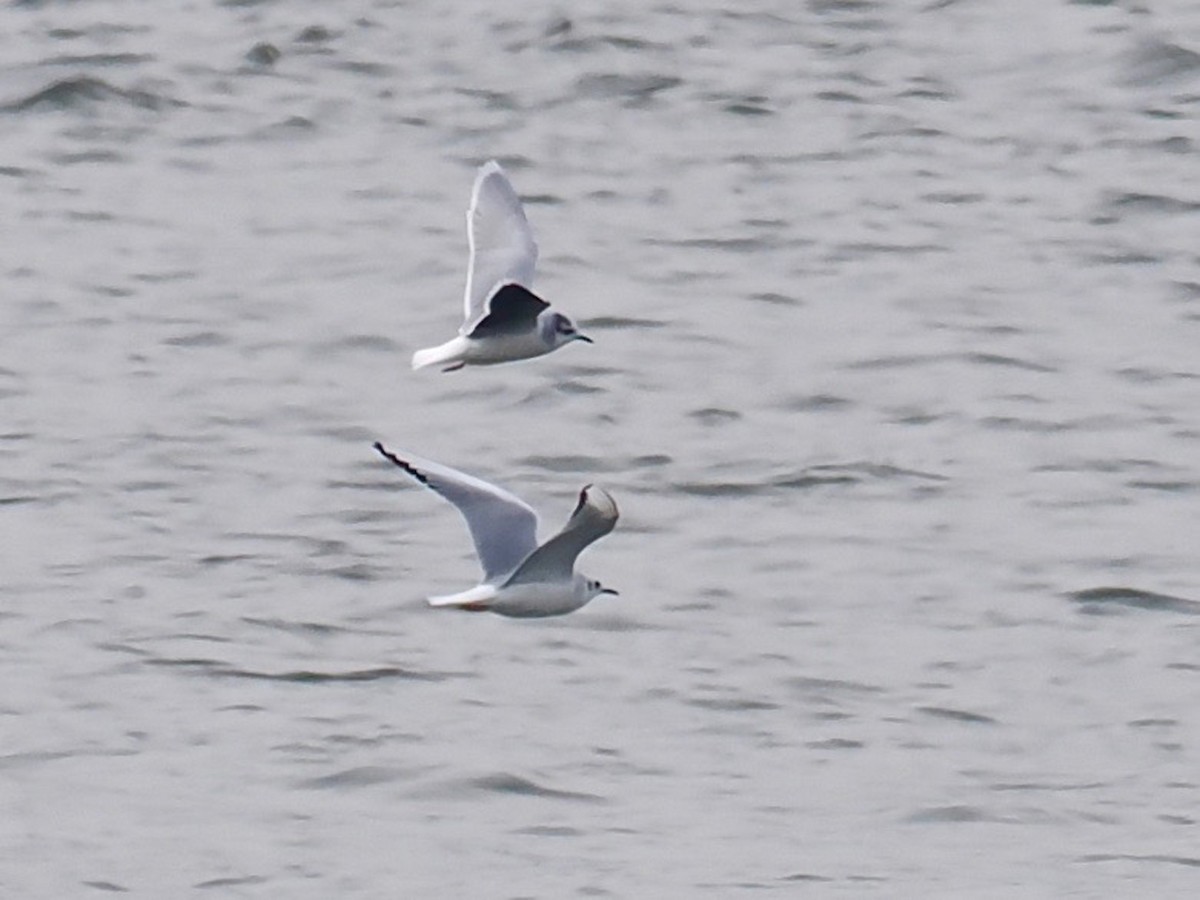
(601, 501)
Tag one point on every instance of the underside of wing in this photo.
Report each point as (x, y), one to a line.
(501, 242)
(511, 309)
(595, 516)
(503, 527)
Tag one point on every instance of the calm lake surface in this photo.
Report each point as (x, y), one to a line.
(896, 380)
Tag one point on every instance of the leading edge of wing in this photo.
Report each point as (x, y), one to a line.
(502, 246)
(503, 526)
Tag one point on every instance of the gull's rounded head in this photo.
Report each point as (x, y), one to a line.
(557, 330)
(595, 588)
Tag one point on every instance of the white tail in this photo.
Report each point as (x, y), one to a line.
(476, 597)
(449, 354)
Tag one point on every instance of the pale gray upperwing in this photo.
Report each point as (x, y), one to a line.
(595, 516)
(501, 241)
(503, 527)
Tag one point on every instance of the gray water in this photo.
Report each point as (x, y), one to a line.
(896, 380)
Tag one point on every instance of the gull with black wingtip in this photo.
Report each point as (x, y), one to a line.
(520, 577)
(504, 319)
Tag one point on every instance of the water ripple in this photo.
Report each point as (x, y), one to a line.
(84, 91)
(217, 668)
(1106, 600)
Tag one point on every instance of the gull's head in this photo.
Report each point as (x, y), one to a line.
(595, 588)
(557, 330)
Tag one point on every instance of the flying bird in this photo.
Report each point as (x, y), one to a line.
(520, 577)
(504, 319)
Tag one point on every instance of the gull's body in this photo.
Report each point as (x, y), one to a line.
(520, 577)
(503, 320)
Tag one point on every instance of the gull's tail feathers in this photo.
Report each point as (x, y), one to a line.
(476, 599)
(449, 355)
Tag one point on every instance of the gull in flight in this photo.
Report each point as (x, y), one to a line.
(504, 319)
(520, 577)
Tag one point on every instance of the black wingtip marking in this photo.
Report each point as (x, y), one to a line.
(406, 466)
(583, 494)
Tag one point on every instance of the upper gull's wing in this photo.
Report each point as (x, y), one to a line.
(501, 241)
(503, 527)
(511, 309)
(595, 516)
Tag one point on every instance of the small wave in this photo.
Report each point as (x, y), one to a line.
(100, 59)
(823, 475)
(881, 471)
(1011, 362)
(502, 783)
(718, 488)
(712, 415)
(305, 676)
(1169, 487)
(570, 463)
(732, 704)
(353, 344)
(824, 688)
(813, 402)
(562, 29)
(360, 776)
(315, 34)
(631, 87)
(84, 91)
(1155, 61)
(732, 245)
(853, 252)
(1191, 862)
(956, 715)
(806, 877)
(954, 198)
(1038, 786)
(507, 783)
(1104, 600)
(198, 339)
(549, 831)
(219, 669)
(305, 628)
(230, 882)
(835, 744)
(602, 323)
(774, 299)
(951, 814)
(748, 108)
(1155, 204)
(263, 54)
